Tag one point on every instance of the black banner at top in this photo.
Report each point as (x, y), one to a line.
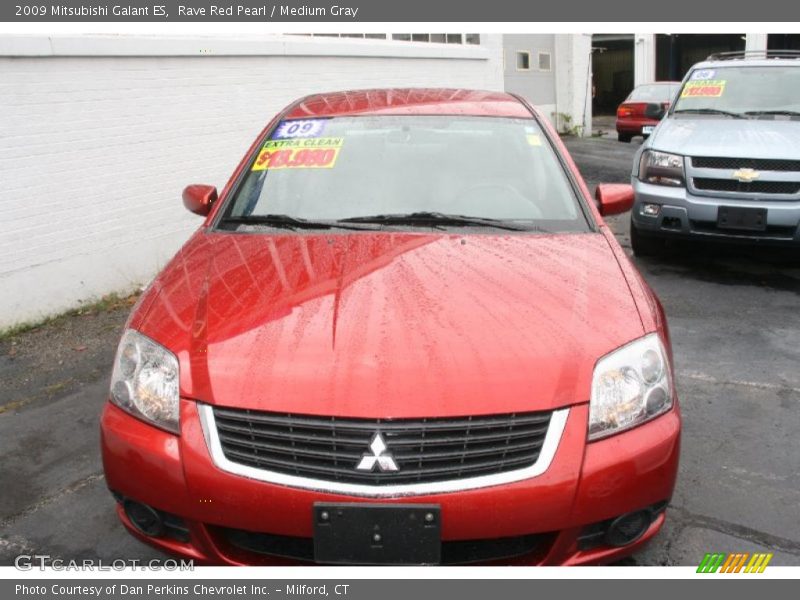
(372, 11)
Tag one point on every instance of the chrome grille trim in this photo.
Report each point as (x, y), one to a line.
(778, 180)
(558, 421)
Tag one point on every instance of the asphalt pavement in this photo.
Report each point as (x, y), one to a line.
(735, 327)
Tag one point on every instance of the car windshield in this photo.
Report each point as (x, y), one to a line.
(742, 91)
(653, 93)
(407, 171)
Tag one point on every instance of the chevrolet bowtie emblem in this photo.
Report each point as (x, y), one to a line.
(377, 456)
(746, 175)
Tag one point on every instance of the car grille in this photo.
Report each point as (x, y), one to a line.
(753, 187)
(761, 164)
(424, 450)
(453, 552)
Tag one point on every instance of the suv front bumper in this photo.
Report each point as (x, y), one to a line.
(689, 215)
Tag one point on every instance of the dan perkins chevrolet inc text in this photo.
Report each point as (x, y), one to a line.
(213, 10)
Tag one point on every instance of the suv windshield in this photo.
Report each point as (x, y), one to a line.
(653, 93)
(406, 171)
(742, 91)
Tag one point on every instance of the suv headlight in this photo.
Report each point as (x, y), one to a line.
(661, 168)
(145, 381)
(630, 386)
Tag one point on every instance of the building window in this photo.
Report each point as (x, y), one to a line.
(523, 61)
(544, 61)
(472, 39)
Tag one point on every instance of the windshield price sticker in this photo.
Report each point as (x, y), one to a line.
(312, 153)
(708, 88)
(307, 128)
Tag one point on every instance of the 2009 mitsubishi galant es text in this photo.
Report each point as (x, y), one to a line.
(403, 335)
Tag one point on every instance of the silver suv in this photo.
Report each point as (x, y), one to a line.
(724, 162)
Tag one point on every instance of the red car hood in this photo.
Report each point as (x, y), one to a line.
(391, 325)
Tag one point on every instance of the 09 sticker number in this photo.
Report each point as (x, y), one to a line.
(303, 128)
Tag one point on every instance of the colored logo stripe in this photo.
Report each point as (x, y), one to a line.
(733, 563)
(711, 562)
(758, 563)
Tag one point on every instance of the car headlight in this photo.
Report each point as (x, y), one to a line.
(145, 381)
(630, 386)
(661, 168)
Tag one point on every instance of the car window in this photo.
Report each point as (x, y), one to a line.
(353, 167)
(741, 90)
(653, 93)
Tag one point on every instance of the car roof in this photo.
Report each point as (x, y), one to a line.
(410, 101)
(747, 62)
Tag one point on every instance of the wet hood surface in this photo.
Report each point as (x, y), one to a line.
(724, 136)
(391, 325)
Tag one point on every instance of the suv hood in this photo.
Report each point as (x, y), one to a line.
(385, 325)
(727, 137)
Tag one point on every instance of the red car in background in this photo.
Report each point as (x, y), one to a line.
(643, 108)
(403, 334)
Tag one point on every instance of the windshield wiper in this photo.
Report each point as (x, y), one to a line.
(284, 222)
(435, 218)
(709, 111)
(786, 113)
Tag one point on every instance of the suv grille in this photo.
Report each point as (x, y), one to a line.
(760, 164)
(753, 187)
(424, 450)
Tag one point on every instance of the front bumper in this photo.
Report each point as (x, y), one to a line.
(232, 520)
(693, 216)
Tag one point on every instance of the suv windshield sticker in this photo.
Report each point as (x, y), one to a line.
(306, 128)
(317, 153)
(707, 88)
(703, 74)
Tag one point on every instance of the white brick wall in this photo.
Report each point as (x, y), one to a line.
(95, 149)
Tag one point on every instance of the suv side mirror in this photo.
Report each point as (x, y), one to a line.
(199, 198)
(614, 198)
(655, 111)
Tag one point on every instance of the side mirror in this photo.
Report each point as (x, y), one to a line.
(199, 198)
(614, 198)
(654, 111)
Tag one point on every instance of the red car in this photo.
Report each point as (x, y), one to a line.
(402, 335)
(643, 108)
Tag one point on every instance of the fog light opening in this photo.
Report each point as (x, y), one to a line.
(628, 528)
(651, 210)
(145, 518)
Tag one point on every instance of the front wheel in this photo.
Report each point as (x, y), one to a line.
(624, 137)
(644, 244)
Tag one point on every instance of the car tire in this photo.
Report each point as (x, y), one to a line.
(624, 137)
(644, 244)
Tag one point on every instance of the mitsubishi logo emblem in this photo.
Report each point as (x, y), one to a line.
(377, 456)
